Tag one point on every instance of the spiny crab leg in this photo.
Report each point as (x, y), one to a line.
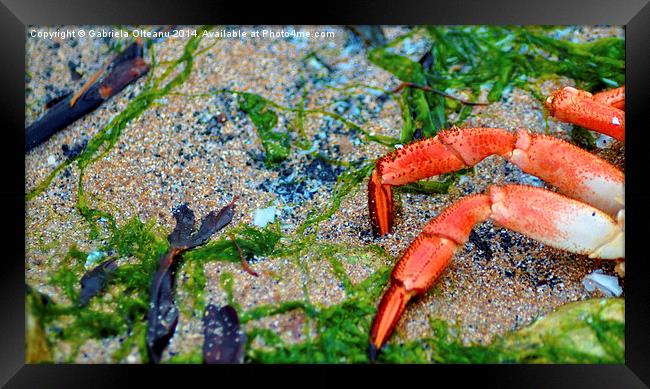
(548, 217)
(602, 112)
(614, 97)
(573, 171)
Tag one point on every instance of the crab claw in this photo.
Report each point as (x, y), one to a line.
(575, 172)
(548, 217)
(424, 261)
(579, 107)
(390, 309)
(613, 97)
(380, 205)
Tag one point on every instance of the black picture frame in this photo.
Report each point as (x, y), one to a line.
(16, 15)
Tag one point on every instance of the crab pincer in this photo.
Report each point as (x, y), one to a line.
(586, 217)
(602, 112)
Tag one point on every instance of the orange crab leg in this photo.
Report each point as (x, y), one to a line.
(575, 172)
(614, 97)
(581, 108)
(427, 158)
(380, 204)
(551, 218)
(423, 262)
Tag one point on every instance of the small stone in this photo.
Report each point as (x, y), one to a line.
(603, 282)
(264, 216)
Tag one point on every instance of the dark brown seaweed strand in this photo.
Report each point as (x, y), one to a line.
(93, 79)
(95, 280)
(244, 262)
(210, 224)
(163, 313)
(429, 89)
(127, 67)
(185, 221)
(165, 264)
(224, 342)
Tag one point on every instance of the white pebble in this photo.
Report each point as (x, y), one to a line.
(264, 216)
(604, 141)
(605, 283)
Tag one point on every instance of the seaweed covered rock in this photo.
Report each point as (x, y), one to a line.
(590, 331)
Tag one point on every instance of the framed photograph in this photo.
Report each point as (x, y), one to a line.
(444, 189)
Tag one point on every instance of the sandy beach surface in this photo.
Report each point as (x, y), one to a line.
(176, 152)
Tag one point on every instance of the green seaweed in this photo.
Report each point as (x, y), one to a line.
(122, 311)
(277, 144)
(496, 58)
(417, 106)
(408, 127)
(403, 68)
(590, 331)
(136, 339)
(263, 311)
(582, 332)
(499, 57)
(195, 281)
(594, 65)
(141, 241)
(263, 106)
(252, 241)
(194, 357)
(301, 111)
(583, 138)
(228, 284)
(586, 332)
(342, 330)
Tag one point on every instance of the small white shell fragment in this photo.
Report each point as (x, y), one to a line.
(605, 283)
(264, 216)
(604, 141)
(464, 179)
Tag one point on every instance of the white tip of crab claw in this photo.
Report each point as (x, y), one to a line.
(613, 249)
(620, 218)
(603, 282)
